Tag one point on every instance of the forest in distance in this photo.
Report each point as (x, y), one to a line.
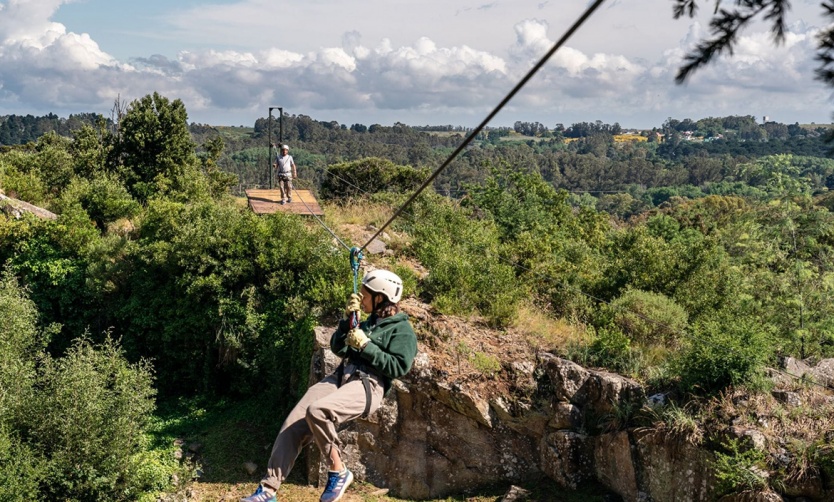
(690, 257)
(624, 171)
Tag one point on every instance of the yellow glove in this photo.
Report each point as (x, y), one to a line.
(354, 303)
(357, 339)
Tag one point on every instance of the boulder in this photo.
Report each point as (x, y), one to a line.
(823, 373)
(598, 394)
(467, 404)
(519, 417)
(787, 397)
(566, 376)
(614, 464)
(565, 416)
(796, 367)
(568, 458)
(671, 469)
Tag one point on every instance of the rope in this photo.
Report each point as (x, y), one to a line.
(356, 256)
(492, 114)
(355, 260)
(313, 214)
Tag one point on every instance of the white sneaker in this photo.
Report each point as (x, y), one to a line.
(260, 495)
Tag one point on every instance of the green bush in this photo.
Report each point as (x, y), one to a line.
(727, 349)
(25, 185)
(612, 349)
(486, 363)
(463, 256)
(21, 471)
(649, 318)
(369, 175)
(20, 341)
(88, 420)
(103, 197)
(224, 299)
(738, 470)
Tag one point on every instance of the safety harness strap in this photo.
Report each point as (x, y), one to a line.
(366, 382)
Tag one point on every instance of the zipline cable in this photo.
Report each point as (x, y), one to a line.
(491, 115)
(314, 215)
(356, 256)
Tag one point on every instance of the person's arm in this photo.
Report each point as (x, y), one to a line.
(396, 360)
(338, 340)
(294, 174)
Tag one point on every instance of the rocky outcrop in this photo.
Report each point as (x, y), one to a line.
(16, 208)
(432, 438)
(823, 373)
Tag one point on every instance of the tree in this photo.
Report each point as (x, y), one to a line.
(90, 148)
(155, 148)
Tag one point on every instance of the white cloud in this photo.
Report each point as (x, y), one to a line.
(44, 66)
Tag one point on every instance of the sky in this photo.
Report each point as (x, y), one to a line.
(420, 62)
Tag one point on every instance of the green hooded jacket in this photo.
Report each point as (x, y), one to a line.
(391, 350)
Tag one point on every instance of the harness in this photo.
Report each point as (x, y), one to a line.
(362, 369)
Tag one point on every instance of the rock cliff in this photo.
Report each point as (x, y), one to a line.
(437, 435)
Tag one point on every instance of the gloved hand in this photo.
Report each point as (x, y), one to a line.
(357, 339)
(354, 303)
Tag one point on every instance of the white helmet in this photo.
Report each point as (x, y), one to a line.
(385, 282)
(285, 147)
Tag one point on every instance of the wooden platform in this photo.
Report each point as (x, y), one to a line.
(266, 201)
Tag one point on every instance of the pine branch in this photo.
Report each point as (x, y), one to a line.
(726, 25)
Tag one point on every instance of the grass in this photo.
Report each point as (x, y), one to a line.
(543, 491)
(542, 331)
(362, 213)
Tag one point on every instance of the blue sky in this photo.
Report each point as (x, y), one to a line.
(414, 61)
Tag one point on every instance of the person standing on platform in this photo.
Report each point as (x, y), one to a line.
(285, 169)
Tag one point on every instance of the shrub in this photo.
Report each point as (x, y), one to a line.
(88, 420)
(463, 256)
(20, 470)
(20, 340)
(738, 470)
(612, 349)
(486, 363)
(224, 299)
(649, 318)
(369, 175)
(103, 197)
(23, 184)
(728, 349)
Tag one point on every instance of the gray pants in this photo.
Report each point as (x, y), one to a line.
(324, 407)
(285, 185)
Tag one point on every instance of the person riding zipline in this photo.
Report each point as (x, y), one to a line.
(286, 171)
(375, 352)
